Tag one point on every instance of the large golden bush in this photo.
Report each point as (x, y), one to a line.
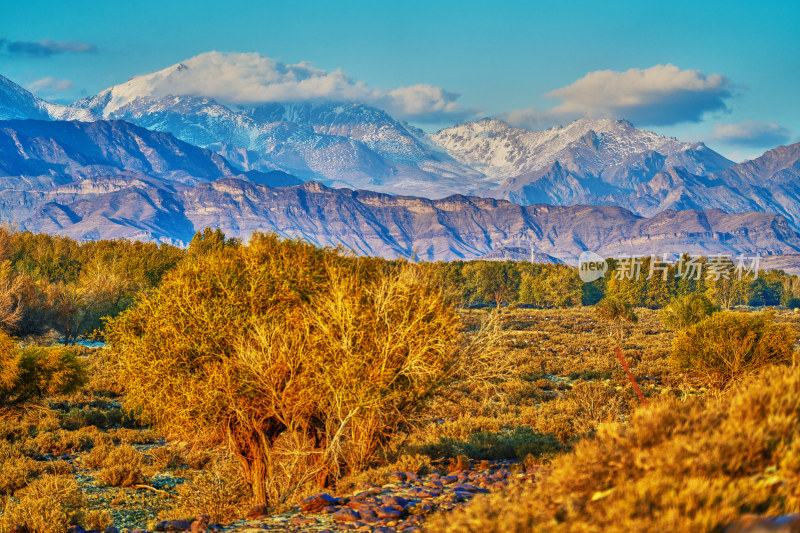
(302, 361)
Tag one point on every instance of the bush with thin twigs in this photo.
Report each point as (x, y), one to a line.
(50, 504)
(728, 346)
(60, 442)
(219, 492)
(120, 466)
(16, 469)
(35, 372)
(98, 520)
(686, 311)
(615, 312)
(302, 361)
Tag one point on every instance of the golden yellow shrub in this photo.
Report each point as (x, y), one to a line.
(302, 361)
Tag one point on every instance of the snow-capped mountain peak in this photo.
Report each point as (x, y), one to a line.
(502, 151)
(148, 86)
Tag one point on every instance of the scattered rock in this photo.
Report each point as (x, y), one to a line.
(173, 525)
(750, 523)
(200, 527)
(400, 505)
(346, 514)
(464, 487)
(304, 520)
(394, 500)
(388, 512)
(316, 503)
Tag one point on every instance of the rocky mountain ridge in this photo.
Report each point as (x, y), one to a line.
(456, 227)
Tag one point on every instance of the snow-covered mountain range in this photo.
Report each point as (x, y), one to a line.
(358, 146)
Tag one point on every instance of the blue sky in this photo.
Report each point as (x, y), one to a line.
(724, 72)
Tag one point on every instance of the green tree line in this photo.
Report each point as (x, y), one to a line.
(57, 284)
(639, 283)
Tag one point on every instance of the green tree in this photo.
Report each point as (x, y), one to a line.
(30, 373)
(211, 240)
(685, 311)
(494, 282)
(551, 286)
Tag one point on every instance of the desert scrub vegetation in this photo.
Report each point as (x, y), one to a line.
(685, 311)
(691, 465)
(728, 346)
(304, 362)
(315, 368)
(557, 379)
(50, 504)
(219, 491)
(615, 312)
(34, 372)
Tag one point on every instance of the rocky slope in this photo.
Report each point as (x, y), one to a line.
(339, 143)
(110, 178)
(457, 227)
(359, 146)
(17, 103)
(611, 150)
(46, 166)
(71, 151)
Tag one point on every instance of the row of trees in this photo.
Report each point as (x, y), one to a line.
(649, 285)
(505, 282)
(56, 283)
(52, 283)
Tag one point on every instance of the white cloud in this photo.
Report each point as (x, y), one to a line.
(50, 85)
(424, 102)
(663, 94)
(751, 133)
(247, 79)
(659, 95)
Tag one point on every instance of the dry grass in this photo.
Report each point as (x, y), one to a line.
(728, 346)
(692, 465)
(49, 504)
(558, 375)
(219, 492)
